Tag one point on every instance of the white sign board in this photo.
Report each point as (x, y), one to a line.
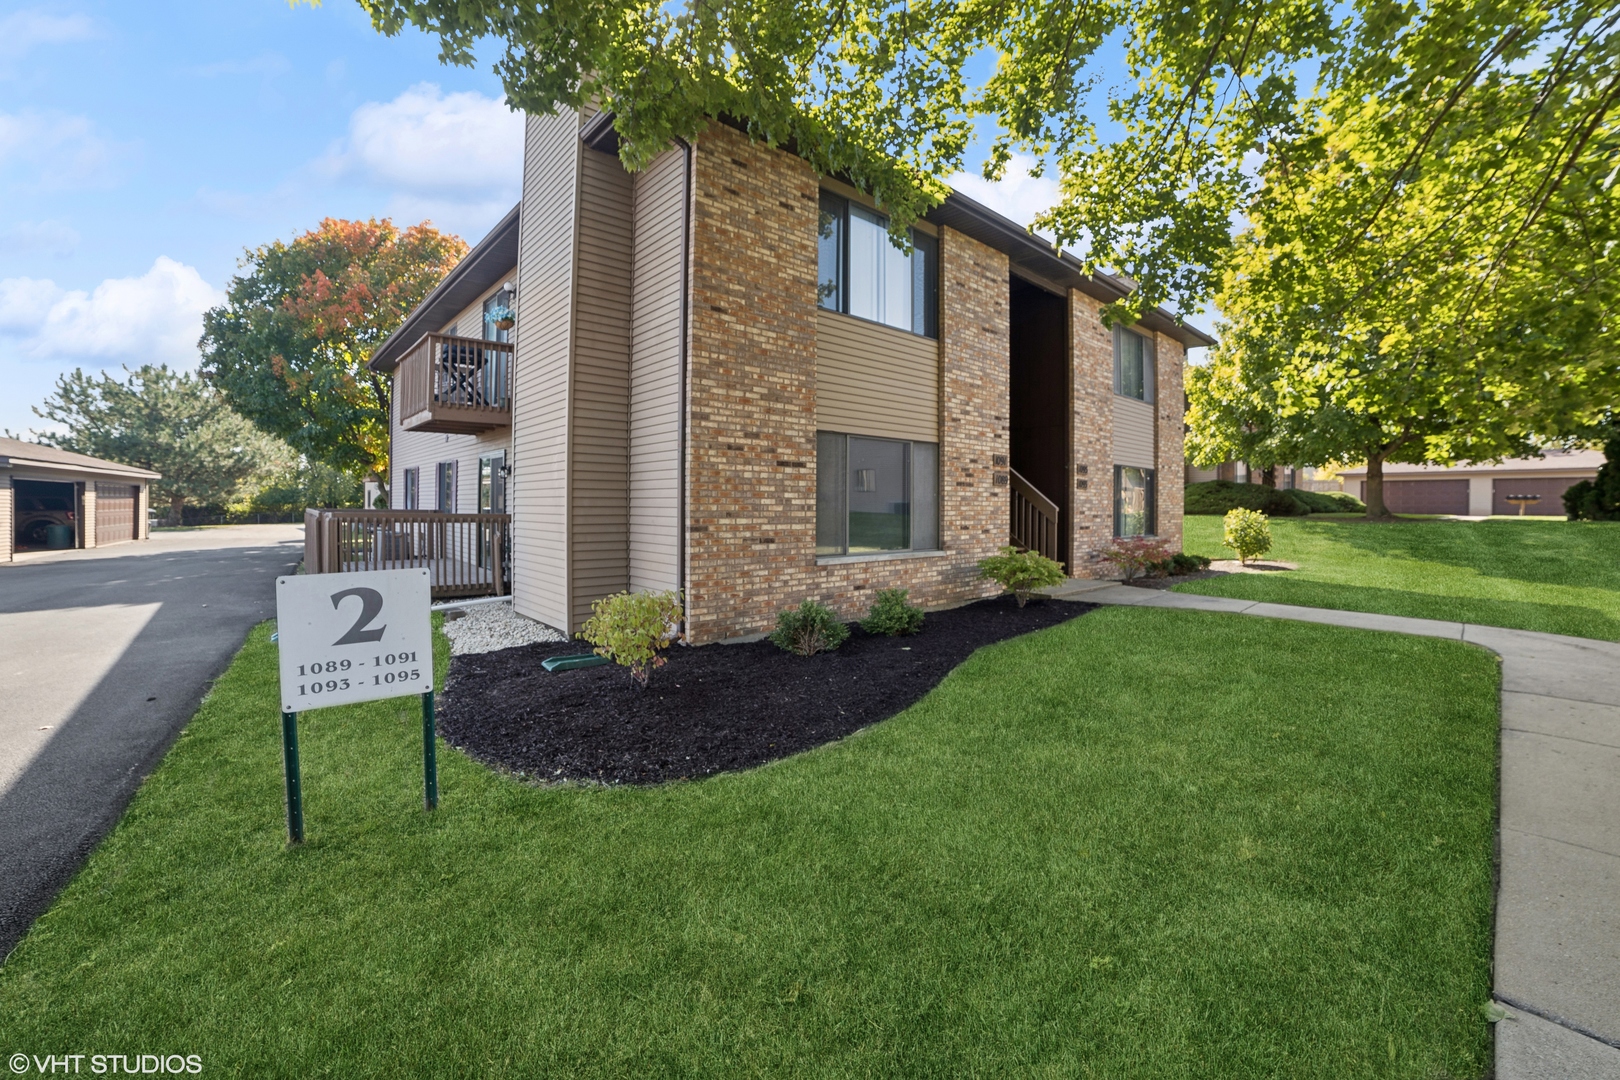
(353, 637)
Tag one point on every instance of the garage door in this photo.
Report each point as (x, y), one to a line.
(1551, 490)
(115, 513)
(1424, 496)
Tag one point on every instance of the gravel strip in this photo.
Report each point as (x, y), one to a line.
(487, 627)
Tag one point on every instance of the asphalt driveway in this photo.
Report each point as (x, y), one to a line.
(104, 656)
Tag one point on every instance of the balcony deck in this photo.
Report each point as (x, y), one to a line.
(455, 385)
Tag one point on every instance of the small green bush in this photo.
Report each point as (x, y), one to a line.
(892, 615)
(1219, 496)
(808, 629)
(1598, 499)
(1345, 503)
(631, 629)
(1247, 532)
(1182, 563)
(1021, 572)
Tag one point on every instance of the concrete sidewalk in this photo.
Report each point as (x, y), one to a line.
(1557, 962)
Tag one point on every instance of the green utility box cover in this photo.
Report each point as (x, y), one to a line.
(575, 660)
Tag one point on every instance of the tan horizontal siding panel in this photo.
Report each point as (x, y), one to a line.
(600, 392)
(875, 380)
(543, 341)
(1133, 433)
(655, 355)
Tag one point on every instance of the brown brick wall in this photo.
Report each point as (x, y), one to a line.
(751, 462)
(1092, 344)
(1172, 466)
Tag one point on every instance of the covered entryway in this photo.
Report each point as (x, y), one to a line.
(1038, 391)
(115, 512)
(1424, 496)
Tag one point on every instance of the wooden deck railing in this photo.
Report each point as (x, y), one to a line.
(467, 553)
(1034, 518)
(456, 385)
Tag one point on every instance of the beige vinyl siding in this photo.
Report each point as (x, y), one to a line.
(655, 370)
(599, 499)
(1133, 432)
(875, 380)
(538, 490)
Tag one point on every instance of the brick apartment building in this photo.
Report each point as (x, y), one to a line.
(718, 375)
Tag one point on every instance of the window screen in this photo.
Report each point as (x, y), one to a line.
(875, 495)
(1133, 501)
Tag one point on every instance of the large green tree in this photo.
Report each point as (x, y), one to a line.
(289, 346)
(1471, 318)
(1152, 114)
(169, 421)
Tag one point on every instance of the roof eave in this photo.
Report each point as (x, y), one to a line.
(386, 357)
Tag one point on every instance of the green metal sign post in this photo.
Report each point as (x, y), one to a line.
(430, 754)
(289, 769)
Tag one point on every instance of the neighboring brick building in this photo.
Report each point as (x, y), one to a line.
(727, 381)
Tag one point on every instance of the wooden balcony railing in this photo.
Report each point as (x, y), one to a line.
(469, 554)
(1034, 519)
(461, 386)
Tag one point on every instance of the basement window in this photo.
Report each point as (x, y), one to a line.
(875, 495)
(861, 271)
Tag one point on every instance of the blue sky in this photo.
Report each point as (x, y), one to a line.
(143, 146)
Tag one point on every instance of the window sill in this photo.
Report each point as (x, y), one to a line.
(879, 556)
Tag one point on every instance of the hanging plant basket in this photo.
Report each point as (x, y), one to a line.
(505, 324)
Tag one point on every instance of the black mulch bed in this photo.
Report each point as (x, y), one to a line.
(713, 709)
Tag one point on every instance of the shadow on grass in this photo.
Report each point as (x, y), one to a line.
(1514, 614)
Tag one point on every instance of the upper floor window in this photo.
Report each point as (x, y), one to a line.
(498, 317)
(1133, 365)
(861, 272)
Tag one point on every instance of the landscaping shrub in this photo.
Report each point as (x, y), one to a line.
(1345, 503)
(892, 615)
(1021, 572)
(632, 628)
(1247, 532)
(1181, 563)
(1219, 496)
(1598, 499)
(808, 629)
(1138, 555)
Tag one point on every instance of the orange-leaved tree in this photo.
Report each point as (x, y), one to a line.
(289, 346)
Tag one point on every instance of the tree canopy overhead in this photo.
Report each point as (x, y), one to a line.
(1155, 115)
(289, 347)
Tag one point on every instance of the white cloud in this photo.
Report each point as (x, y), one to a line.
(266, 64)
(428, 142)
(1017, 195)
(22, 31)
(40, 238)
(154, 318)
(53, 148)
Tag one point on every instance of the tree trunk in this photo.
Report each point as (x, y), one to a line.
(177, 503)
(1268, 476)
(1375, 487)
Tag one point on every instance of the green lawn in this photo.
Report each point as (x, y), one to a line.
(1142, 844)
(1559, 576)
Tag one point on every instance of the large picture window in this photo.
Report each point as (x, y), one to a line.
(861, 272)
(875, 495)
(1133, 501)
(1133, 365)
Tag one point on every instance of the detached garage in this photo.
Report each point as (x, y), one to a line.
(1520, 486)
(52, 499)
